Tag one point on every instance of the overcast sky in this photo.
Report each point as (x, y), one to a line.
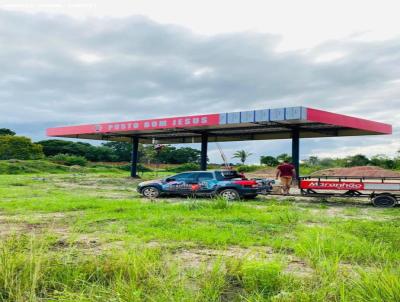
(72, 62)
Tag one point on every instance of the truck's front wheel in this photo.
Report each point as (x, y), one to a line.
(229, 194)
(150, 192)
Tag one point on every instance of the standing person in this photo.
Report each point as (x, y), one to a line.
(286, 171)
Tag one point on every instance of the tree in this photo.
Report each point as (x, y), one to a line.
(93, 153)
(187, 155)
(242, 155)
(101, 153)
(147, 154)
(357, 160)
(19, 147)
(121, 150)
(5, 131)
(171, 155)
(397, 160)
(55, 146)
(383, 161)
(284, 157)
(313, 161)
(269, 161)
(328, 162)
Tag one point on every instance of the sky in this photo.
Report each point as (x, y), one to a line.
(73, 62)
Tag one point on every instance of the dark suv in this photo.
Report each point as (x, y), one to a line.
(226, 183)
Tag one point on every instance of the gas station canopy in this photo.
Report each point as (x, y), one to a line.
(263, 124)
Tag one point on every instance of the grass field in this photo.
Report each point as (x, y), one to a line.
(76, 237)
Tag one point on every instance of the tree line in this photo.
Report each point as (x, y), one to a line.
(21, 147)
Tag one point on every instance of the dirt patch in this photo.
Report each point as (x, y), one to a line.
(314, 224)
(12, 224)
(262, 173)
(196, 258)
(298, 268)
(361, 171)
(119, 190)
(50, 216)
(342, 212)
(333, 212)
(7, 229)
(81, 243)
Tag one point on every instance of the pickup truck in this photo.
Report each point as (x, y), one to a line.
(229, 184)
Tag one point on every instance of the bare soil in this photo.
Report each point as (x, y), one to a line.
(194, 258)
(262, 173)
(361, 171)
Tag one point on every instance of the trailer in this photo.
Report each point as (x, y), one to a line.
(382, 191)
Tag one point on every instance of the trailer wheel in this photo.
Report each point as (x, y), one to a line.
(384, 201)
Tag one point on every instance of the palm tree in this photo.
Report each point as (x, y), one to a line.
(242, 155)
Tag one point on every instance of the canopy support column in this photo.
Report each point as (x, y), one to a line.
(296, 150)
(203, 156)
(134, 156)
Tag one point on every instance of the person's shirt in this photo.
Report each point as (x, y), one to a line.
(286, 169)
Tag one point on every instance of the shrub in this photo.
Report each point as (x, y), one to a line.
(184, 167)
(69, 160)
(140, 168)
(19, 147)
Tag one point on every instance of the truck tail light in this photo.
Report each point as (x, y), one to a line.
(246, 183)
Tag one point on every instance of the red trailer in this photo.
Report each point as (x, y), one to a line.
(382, 191)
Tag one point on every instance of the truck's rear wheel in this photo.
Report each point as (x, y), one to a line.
(150, 192)
(229, 194)
(384, 201)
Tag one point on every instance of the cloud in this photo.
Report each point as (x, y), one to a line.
(57, 70)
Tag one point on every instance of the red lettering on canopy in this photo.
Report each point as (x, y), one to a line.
(129, 126)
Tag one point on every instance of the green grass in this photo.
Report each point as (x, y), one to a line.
(90, 237)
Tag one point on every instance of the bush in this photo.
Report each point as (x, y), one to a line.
(69, 160)
(245, 168)
(184, 167)
(54, 147)
(19, 147)
(269, 161)
(140, 168)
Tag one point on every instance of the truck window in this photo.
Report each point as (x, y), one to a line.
(227, 175)
(182, 176)
(204, 176)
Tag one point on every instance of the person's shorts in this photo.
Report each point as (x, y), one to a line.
(286, 181)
